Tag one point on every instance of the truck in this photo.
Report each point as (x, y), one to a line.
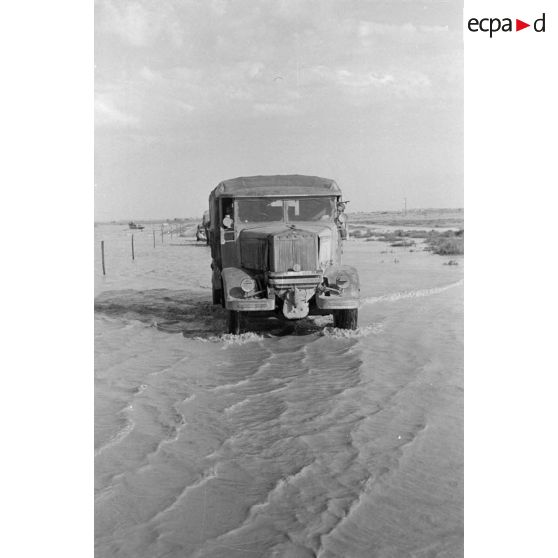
(202, 228)
(276, 247)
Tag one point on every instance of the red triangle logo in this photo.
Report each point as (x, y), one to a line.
(519, 25)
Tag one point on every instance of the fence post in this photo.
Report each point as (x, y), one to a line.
(103, 255)
(133, 248)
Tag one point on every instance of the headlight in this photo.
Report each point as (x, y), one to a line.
(342, 281)
(247, 284)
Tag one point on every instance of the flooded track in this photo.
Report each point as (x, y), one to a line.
(289, 440)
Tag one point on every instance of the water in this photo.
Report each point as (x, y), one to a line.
(290, 440)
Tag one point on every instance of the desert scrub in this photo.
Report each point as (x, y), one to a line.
(399, 236)
(360, 232)
(448, 243)
(403, 243)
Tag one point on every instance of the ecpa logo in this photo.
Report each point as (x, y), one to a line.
(494, 24)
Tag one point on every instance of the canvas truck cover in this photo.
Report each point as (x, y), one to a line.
(276, 185)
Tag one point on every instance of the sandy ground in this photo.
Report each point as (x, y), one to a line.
(290, 440)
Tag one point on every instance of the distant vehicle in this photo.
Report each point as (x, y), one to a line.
(201, 234)
(276, 246)
(135, 226)
(202, 231)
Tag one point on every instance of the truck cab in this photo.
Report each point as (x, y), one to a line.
(276, 246)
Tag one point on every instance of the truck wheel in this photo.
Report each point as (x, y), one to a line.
(217, 296)
(233, 322)
(346, 319)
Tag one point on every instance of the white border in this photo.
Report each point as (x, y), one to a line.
(46, 54)
(47, 177)
(510, 200)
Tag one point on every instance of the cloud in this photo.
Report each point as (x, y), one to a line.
(284, 57)
(362, 79)
(184, 106)
(402, 31)
(139, 24)
(149, 75)
(219, 7)
(336, 84)
(108, 115)
(359, 84)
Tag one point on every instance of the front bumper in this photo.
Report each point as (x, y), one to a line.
(290, 279)
(280, 284)
(250, 305)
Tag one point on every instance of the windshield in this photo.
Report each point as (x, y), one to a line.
(275, 209)
(310, 209)
(256, 211)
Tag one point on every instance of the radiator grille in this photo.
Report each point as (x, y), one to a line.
(295, 248)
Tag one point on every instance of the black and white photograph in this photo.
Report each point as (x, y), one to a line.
(278, 279)
(237, 319)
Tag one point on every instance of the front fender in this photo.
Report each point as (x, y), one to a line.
(334, 271)
(234, 296)
(347, 297)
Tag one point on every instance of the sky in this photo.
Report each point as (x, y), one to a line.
(192, 92)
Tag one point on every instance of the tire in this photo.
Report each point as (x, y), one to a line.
(233, 322)
(346, 319)
(217, 296)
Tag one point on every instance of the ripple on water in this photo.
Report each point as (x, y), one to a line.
(363, 331)
(415, 293)
(229, 339)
